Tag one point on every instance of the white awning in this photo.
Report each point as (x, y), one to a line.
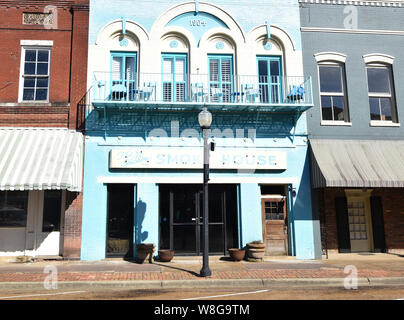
(40, 159)
(357, 163)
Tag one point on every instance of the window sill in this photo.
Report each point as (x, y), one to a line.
(335, 123)
(380, 123)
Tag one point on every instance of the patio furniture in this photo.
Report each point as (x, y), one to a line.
(251, 93)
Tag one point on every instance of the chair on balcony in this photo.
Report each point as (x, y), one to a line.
(216, 93)
(296, 93)
(149, 91)
(199, 92)
(251, 93)
(118, 92)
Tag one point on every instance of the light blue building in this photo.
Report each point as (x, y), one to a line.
(153, 66)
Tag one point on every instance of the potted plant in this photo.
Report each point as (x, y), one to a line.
(236, 254)
(256, 250)
(165, 255)
(145, 250)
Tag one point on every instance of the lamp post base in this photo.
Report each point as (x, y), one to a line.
(205, 272)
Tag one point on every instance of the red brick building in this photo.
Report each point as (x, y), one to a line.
(43, 54)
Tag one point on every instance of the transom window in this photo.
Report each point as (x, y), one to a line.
(381, 93)
(35, 77)
(332, 92)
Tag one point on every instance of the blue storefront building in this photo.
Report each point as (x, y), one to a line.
(153, 66)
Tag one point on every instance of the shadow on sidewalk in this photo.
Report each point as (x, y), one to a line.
(176, 268)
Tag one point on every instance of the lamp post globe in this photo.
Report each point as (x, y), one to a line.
(205, 118)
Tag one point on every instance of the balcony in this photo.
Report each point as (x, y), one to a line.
(192, 91)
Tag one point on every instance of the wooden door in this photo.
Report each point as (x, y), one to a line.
(274, 225)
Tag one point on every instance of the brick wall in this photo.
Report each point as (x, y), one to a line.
(72, 229)
(68, 62)
(393, 214)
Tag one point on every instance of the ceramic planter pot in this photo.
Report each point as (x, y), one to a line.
(166, 255)
(256, 253)
(237, 254)
(144, 251)
(254, 245)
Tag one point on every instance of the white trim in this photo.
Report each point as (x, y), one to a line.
(383, 123)
(330, 56)
(378, 57)
(37, 43)
(361, 31)
(335, 123)
(397, 3)
(191, 180)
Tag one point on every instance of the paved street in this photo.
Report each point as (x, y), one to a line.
(278, 293)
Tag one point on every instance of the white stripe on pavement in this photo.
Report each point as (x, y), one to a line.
(227, 295)
(40, 295)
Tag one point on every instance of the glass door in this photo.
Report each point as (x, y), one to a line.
(181, 213)
(123, 76)
(174, 77)
(120, 221)
(270, 79)
(221, 78)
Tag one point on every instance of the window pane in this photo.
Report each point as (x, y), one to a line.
(263, 70)
(13, 208)
(29, 82)
(326, 107)
(378, 80)
(41, 94)
(338, 107)
(385, 104)
(275, 68)
(29, 68)
(28, 94)
(30, 55)
(43, 55)
(42, 82)
(51, 211)
(330, 79)
(42, 68)
(374, 109)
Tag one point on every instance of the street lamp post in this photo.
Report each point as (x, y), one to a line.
(205, 120)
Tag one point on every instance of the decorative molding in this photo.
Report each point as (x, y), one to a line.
(39, 43)
(330, 56)
(399, 4)
(378, 57)
(360, 31)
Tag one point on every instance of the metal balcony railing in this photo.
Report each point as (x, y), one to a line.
(200, 89)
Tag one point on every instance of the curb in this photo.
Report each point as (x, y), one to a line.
(205, 284)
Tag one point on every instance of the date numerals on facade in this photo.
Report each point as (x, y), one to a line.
(197, 23)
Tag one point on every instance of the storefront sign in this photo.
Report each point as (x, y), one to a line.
(192, 158)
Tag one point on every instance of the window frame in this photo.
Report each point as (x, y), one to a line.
(34, 45)
(394, 115)
(343, 94)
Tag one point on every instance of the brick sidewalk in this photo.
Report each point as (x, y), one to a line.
(189, 275)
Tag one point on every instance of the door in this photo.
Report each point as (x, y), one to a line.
(120, 221)
(274, 222)
(174, 77)
(359, 224)
(221, 78)
(181, 214)
(123, 76)
(269, 79)
(47, 208)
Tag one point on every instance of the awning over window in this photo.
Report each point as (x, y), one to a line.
(357, 163)
(40, 159)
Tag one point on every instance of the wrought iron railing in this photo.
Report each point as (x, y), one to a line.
(197, 88)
